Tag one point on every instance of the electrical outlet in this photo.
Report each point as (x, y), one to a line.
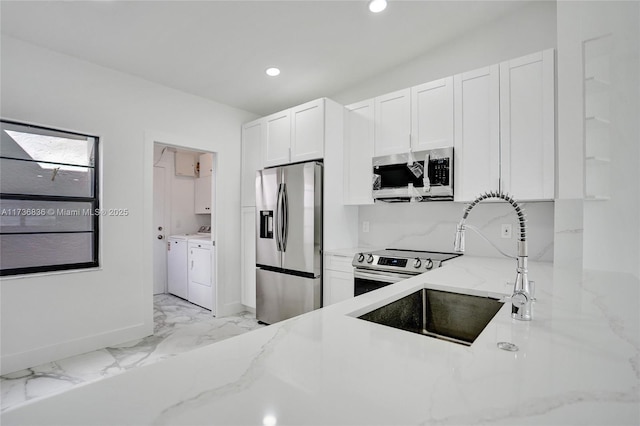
(365, 226)
(505, 230)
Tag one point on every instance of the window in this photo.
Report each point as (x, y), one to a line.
(49, 209)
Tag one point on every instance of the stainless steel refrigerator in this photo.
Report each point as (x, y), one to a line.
(288, 241)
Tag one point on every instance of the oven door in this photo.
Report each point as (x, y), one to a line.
(368, 280)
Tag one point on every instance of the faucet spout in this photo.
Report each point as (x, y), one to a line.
(522, 297)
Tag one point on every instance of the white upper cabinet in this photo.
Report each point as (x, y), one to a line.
(202, 188)
(205, 165)
(477, 133)
(505, 129)
(252, 134)
(432, 115)
(393, 123)
(527, 126)
(277, 143)
(295, 135)
(307, 131)
(358, 152)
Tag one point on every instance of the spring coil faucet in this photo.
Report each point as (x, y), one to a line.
(522, 296)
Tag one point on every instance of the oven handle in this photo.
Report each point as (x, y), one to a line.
(386, 277)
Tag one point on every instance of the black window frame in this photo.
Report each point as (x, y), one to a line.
(95, 207)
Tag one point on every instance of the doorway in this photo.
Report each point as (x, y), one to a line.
(183, 206)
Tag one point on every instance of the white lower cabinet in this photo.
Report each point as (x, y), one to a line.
(338, 279)
(248, 259)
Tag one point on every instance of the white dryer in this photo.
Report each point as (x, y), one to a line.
(200, 271)
(177, 261)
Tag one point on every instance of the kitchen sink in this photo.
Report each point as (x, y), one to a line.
(458, 318)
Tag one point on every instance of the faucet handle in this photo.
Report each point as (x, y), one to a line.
(521, 306)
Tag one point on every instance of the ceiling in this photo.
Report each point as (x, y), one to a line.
(220, 49)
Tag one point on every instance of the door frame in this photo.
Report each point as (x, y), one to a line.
(179, 142)
(166, 209)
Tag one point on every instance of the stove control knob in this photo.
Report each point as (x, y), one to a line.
(417, 263)
(360, 257)
(429, 264)
(369, 258)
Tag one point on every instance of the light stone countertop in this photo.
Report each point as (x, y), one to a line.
(578, 363)
(348, 252)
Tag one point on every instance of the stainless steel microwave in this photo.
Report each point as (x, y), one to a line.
(414, 176)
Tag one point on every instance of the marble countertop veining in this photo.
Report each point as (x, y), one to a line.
(578, 363)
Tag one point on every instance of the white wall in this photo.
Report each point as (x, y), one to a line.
(431, 226)
(609, 231)
(51, 316)
(527, 30)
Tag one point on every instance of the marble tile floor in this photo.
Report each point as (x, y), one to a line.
(179, 327)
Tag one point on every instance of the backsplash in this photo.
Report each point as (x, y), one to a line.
(432, 226)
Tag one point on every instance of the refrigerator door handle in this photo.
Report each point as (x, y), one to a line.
(285, 217)
(278, 224)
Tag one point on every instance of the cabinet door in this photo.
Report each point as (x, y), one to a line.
(339, 285)
(358, 152)
(206, 164)
(307, 131)
(527, 126)
(477, 137)
(185, 164)
(432, 115)
(248, 259)
(277, 139)
(203, 195)
(392, 123)
(251, 160)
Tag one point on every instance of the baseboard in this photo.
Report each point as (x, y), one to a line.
(231, 309)
(32, 358)
(249, 309)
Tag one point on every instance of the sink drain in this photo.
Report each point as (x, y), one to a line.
(507, 346)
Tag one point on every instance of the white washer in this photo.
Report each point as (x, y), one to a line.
(200, 271)
(177, 273)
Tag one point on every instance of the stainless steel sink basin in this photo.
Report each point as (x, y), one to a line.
(459, 318)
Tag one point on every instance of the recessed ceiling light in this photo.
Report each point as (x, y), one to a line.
(272, 72)
(377, 5)
(269, 420)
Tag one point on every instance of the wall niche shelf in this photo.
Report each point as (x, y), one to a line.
(597, 125)
(596, 85)
(598, 120)
(597, 160)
